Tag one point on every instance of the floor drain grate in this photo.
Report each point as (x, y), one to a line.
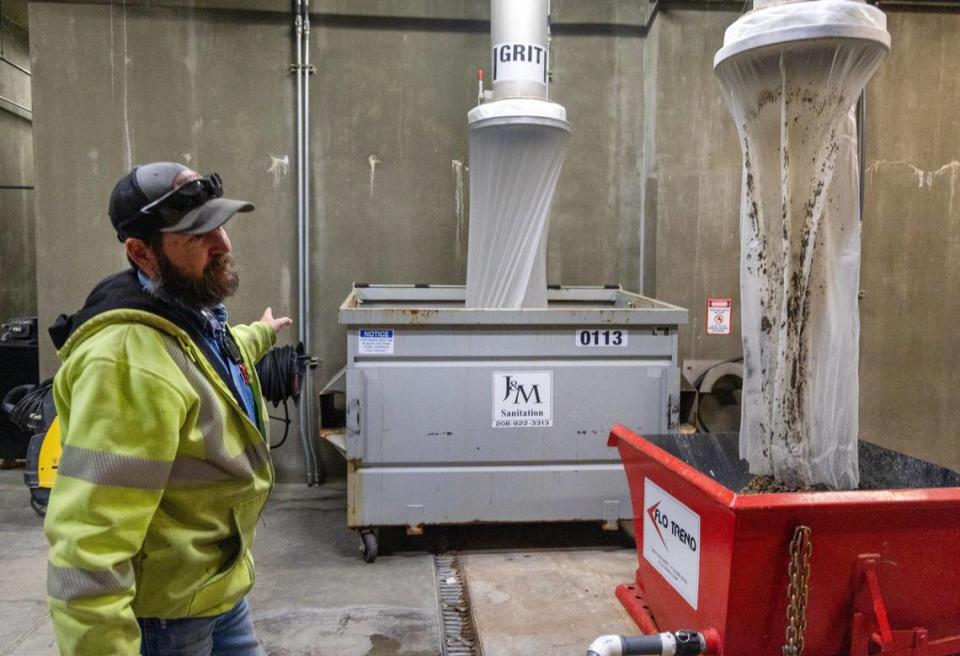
(458, 631)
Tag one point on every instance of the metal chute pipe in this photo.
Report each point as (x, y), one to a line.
(518, 143)
(519, 53)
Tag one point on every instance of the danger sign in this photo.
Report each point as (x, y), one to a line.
(719, 314)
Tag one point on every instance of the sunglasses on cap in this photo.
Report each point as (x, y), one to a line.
(174, 204)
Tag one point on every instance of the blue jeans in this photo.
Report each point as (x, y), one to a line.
(230, 633)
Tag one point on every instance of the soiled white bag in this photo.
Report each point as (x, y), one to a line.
(791, 75)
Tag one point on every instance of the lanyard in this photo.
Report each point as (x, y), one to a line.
(228, 345)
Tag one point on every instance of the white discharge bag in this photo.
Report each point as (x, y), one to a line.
(515, 162)
(791, 75)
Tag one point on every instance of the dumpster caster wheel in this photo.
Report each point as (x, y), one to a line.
(368, 545)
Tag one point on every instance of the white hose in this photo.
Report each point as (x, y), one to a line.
(659, 644)
(608, 645)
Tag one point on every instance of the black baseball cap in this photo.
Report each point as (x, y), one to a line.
(169, 197)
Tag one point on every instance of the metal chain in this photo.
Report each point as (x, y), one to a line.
(798, 573)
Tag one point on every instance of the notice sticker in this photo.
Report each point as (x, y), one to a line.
(375, 342)
(719, 313)
(523, 399)
(671, 540)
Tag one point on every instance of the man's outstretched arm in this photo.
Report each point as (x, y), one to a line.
(259, 336)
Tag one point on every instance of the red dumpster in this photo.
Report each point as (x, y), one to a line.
(882, 570)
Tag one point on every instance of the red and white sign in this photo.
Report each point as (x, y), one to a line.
(719, 316)
(671, 540)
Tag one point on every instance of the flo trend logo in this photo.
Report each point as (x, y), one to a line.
(682, 535)
(657, 517)
(671, 540)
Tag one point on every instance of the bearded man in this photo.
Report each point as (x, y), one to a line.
(165, 466)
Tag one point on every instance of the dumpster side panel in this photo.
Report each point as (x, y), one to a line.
(441, 413)
(915, 539)
(462, 415)
(415, 495)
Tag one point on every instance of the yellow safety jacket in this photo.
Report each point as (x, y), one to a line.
(161, 482)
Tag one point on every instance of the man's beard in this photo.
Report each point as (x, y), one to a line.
(218, 282)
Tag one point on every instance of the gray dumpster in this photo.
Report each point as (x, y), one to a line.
(459, 415)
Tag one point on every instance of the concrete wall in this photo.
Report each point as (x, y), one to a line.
(18, 291)
(389, 99)
(649, 196)
(390, 148)
(117, 86)
(696, 175)
(910, 272)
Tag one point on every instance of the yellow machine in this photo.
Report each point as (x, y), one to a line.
(43, 458)
(31, 409)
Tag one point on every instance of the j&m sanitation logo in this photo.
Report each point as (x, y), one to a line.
(523, 399)
(519, 391)
(671, 541)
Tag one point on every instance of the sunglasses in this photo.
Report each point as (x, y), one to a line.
(170, 207)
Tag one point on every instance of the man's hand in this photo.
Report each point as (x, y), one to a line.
(278, 323)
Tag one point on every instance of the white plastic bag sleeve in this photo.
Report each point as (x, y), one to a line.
(513, 175)
(800, 240)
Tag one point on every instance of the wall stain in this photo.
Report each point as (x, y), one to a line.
(924, 178)
(458, 168)
(373, 160)
(279, 168)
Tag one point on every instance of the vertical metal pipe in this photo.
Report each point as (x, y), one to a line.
(298, 27)
(318, 476)
(306, 175)
(301, 308)
(518, 42)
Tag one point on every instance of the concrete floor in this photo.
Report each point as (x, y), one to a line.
(25, 628)
(314, 595)
(548, 601)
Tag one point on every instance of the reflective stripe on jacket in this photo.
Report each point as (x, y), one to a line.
(162, 480)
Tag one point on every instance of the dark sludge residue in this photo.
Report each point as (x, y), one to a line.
(769, 485)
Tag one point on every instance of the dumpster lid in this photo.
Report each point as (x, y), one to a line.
(444, 305)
